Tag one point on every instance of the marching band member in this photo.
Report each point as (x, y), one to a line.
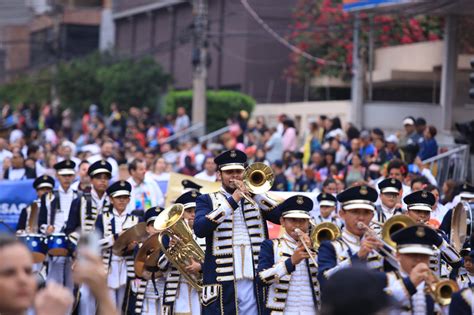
(352, 247)
(408, 284)
(462, 302)
(54, 213)
(234, 229)
(83, 215)
(284, 267)
(179, 296)
(86, 208)
(29, 216)
(327, 207)
(390, 189)
(419, 205)
(466, 276)
(148, 298)
(189, 185)
(110, 224)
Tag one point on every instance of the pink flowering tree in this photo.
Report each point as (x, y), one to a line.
(322, 29)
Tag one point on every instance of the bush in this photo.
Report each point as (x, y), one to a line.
(34, 88)
(221, 105)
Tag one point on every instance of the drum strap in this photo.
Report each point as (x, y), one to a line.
(33, 219)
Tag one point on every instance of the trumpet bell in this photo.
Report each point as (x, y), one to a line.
(443, 290)
(325, 231)
(394, 224)
(258, 178)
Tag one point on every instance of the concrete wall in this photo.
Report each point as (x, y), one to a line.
(303, 112)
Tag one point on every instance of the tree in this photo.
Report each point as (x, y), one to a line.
(34, 88)
(132, 83)
(323, 29)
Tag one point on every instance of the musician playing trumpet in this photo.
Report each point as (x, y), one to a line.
(352, 247)
(286, 266)
(409, 284)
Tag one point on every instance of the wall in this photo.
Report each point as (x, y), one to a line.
(303, 112)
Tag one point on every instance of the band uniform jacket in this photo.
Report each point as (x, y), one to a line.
(173, 279)
(462, 302)
(83, 214)
(105, 226)
(342, 253)
(275, 272)
(411, 299)
(49, 206)
(214, 221)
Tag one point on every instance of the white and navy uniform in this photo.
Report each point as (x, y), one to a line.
(179, 296)
(342, 252)
(289, 289)
(54, 211)
(234, 233)
(412, 300)
(120, 269)
(462, 302)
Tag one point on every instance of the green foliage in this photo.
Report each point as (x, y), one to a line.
(96, 78)
(220, 105)
(27, 89)
(132, 83)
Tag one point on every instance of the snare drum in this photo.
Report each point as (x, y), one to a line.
(36, 243)
(58, 244)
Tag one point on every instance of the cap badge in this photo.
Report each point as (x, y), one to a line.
(424, 194)
(68, 163)
(299, 200)
(465, 186)
(420, 232)
(102, 163)
(393, 181)
(363, 190)
(45, 177)
(122, 183)
(193, 194)
(233, 154)
(324, 195)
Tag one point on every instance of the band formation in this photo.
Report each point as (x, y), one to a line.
(211, 253)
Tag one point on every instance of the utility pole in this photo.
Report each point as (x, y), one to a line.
(199, 60)
(357, 91)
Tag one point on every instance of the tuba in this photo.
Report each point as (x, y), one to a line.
(170, 222)
(325, 231)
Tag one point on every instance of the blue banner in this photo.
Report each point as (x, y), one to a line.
(14, 196)
(353, 5)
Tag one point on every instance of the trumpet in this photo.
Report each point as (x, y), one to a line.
(441, 290)
(300, 236)
(325, 231)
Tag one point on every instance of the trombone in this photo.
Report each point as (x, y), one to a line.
(326, 231)
(300, 236)
(258, 179)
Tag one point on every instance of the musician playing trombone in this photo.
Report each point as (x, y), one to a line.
(234, 225)
(410, 284)
(352, 247)
(285, 266)
(445, 261)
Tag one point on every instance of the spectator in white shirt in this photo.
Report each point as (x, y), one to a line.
(106, 151)
(4, 153)
(145, 193)
(159, 171)
(209, 170)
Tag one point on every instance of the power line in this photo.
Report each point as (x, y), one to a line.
(283, 41)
